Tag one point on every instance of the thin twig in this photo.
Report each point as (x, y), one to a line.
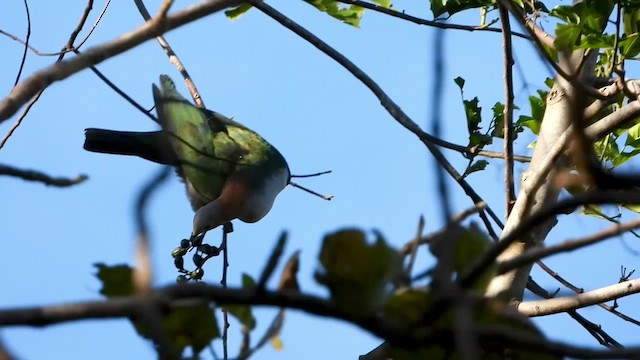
(594, 330)
(376, 325)
(36, 97)
(26, 43)
(510, 192)
(272, 263)
(29, 87)
(126, 97)
(63, 51)
(226, 229)
(38, 176)
(173, 57)
(437, 24)
(312, 175)
(413, 247)
(437, 95)
(324, 197)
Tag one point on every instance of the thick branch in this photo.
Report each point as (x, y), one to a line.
(185, 295)
(20, 94)
(562, 304)
(566, 246)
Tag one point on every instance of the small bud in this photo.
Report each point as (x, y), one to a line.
(184, 243)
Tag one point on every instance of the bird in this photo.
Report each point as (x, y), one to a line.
(229, 171)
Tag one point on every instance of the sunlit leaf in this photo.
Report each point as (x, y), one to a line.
(349, 15)
(440, 7)
(276, 343)
(383, 3)
(237, 11)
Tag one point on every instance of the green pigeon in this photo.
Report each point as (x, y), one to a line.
(230, 171)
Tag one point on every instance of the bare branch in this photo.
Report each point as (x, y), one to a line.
(37, 176)
(436, 24)
(508, 135)
(173, 57)
(195, 293)
(36, 95)
(272, 263)
(566, 246)
(562, 304)
(29, 87)
(613, 121)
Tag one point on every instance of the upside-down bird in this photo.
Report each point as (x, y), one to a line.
(230, 171)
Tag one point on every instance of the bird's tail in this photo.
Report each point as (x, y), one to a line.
(152, 146)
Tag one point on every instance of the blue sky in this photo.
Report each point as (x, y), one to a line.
(311, 109)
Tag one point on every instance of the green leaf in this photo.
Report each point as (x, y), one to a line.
(585, 23)
(478, 165)
(567, 36)
(408, 306)
(237, 11)
(630, 46)
(631, 18)
(606, 148)
(349, 15)
(634, 208)
(593, 210)
(356, 273)
(498, 120)
(193, 326)
(383, 3)
(440, 7)
(117, 280)
(460, 82)
(625, 156)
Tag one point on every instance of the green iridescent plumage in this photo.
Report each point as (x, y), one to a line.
(229, 170)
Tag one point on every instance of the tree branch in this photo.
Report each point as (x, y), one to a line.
(431, 142)
(507, 119)
(33, 175)
(628, 197)
(189, 294)
(416, 20)
(532, 255)
(562, 304)
(29, 87)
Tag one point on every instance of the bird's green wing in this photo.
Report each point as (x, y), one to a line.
(253, 153)
(192, 140)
